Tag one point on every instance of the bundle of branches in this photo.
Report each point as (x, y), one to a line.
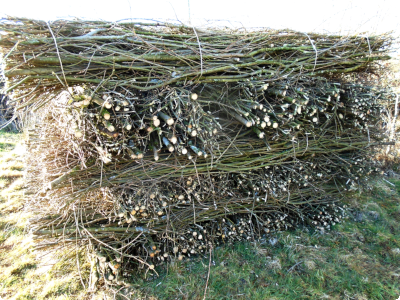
(159, 141)
(256, 180)
(181, 123)
(44, 57)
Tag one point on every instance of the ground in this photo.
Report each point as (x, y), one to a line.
(358, 259)
(26, 273)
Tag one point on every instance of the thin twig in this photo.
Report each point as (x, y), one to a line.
(58, 53)
(208, 274)
(294, 266)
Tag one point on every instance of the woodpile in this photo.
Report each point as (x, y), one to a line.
(161, 141)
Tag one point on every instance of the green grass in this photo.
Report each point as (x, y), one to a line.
(358, 259)
(8, 140)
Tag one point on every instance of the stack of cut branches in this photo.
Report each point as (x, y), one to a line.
(159, 141)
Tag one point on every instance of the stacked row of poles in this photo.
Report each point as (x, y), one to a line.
(154, 142)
